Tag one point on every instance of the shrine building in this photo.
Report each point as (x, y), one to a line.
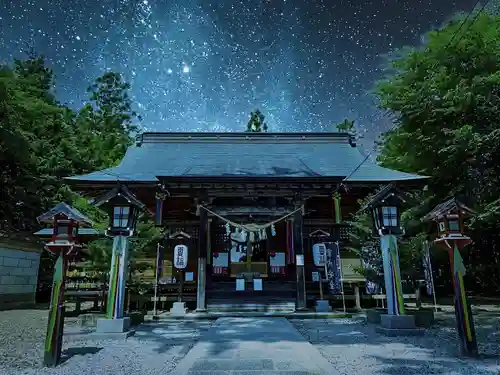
(253, 205)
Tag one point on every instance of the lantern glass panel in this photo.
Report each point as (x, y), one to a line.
(442, 227)
(453, 225)
(121, 216)
(62, 230)
(390, 216)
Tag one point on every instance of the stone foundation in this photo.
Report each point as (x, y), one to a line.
(18, 276)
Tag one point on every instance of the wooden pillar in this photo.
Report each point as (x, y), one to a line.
(357, 296)
(202, 262)
(418, 298)
(299, 261)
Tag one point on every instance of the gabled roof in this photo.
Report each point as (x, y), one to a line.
(450, 206)
(121, 190)
(384, 193)
(219, 155)
(64, 209)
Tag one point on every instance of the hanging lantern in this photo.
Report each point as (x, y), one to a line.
(228, 229)
(273, 230)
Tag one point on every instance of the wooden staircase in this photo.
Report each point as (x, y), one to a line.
(276, 296)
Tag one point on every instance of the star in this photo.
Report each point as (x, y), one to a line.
(305, 65)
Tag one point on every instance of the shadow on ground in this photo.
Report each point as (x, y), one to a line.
(71, 352)
(435, 352)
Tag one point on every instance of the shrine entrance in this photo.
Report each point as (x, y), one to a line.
(267, 257)
(251, 259)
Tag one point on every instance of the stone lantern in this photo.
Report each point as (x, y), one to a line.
(66, 222)
(449, 218)
(123, 209)
(385, 208)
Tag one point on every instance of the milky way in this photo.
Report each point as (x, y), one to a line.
(201, 65)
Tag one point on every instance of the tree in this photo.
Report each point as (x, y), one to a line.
(42, 141)
(37, 145)
(107, 126)
(366, 245)
(445, 99)
(256, 124)
(346, 126)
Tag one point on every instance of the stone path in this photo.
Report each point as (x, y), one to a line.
(251, 346)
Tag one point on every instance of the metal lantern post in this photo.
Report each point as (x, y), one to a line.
(385, 207)
(65, 221)
(123, 209)
(450, 228)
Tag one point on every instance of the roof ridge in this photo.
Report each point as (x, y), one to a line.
(245, 137)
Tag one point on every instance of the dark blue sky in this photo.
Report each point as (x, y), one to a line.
(201, 65)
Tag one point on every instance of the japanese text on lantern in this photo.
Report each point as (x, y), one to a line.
(180, 256)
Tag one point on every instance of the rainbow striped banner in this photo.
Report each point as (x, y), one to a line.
(117, 279)
(465, 324)
(397, 291)
(53, 338)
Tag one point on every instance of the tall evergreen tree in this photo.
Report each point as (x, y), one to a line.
(256, 124)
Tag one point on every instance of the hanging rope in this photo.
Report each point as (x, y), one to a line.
(251, 227)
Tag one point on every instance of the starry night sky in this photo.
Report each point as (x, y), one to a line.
(204, 64)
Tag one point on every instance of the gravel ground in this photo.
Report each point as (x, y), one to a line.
(156, 348)
(354, 347)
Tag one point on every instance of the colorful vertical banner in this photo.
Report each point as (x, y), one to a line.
(396, 277)
(426, 260)
(53, 338)
(117, 278)
(337, 209)
(371, 287)
(333, 268)
(465, 324)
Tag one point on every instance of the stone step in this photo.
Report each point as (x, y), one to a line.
(249, 306)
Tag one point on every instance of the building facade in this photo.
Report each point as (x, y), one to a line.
(252, 204)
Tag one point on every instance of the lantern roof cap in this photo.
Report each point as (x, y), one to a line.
(120, 190)
(452, 205)
(66, 210)
(388, 191)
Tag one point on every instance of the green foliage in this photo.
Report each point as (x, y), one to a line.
(346, 126)
(446, 98)
(42, 141)
(256, 124)
(366, 245)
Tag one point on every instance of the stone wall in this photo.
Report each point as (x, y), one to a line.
(18, 274)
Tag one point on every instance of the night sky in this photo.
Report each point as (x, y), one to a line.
(204, 65)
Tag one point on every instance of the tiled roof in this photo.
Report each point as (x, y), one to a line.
(245, 154)
(67, 210)
(47, 232)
